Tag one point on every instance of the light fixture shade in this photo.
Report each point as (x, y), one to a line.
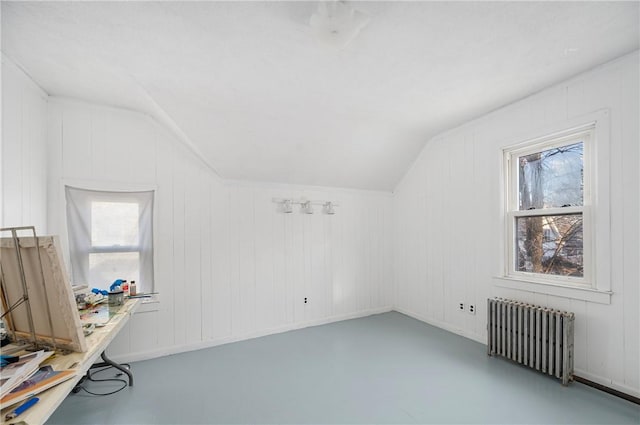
(328, 208)
(306, 207)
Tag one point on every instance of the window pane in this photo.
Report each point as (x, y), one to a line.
(550, 244)
(104, 268)
(114, 223)
(551, 178)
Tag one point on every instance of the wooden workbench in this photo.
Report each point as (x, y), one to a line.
(97, 343)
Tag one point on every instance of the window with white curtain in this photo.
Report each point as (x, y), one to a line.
(110, 237)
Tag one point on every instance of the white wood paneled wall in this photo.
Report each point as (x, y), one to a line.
(23, 170)
(228, 266)
(448, 223)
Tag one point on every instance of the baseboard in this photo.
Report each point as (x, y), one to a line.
(167, 351)
(481, 339)
(446, 326)
(633, 392)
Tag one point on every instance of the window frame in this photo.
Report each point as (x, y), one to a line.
(596, 282)
(513, 212)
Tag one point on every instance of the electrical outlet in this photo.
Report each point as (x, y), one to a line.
(461, 307)
(305, 300)
(471, 309)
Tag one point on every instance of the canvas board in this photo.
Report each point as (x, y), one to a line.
(67, 327)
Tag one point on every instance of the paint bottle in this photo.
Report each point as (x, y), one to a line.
(132, 288)
(125, 288)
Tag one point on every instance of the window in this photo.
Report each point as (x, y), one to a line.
(110, 237)
(548, 197)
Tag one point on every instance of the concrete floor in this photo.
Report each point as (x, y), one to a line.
(387, 368)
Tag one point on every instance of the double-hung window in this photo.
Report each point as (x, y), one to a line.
(110, 237)
(549, 229)
(557, 227)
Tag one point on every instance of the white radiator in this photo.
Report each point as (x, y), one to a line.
(538, 337)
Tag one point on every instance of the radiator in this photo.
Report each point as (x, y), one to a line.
(538, 337)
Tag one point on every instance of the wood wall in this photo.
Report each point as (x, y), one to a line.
(23, 158)
(448, 226)
(227, 265)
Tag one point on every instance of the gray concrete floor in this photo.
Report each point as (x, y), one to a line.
(387, 368)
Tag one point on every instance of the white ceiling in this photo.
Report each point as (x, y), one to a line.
(262, 99)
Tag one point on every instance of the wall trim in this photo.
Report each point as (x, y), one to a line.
(160, 119)
(152, 354)
(73, 101)
(305, 188)
(63, 100)
(607, 382)
(556, 290)
(25, 75)
(442, 325)
(148, 355)
(481, 339)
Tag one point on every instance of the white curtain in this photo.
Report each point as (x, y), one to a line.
(110, 237)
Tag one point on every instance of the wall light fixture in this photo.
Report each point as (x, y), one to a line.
(285, 205)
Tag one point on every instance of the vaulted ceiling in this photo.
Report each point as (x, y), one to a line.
(262, 96)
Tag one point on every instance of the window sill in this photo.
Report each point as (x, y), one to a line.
(149, 304)
(558, 290)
